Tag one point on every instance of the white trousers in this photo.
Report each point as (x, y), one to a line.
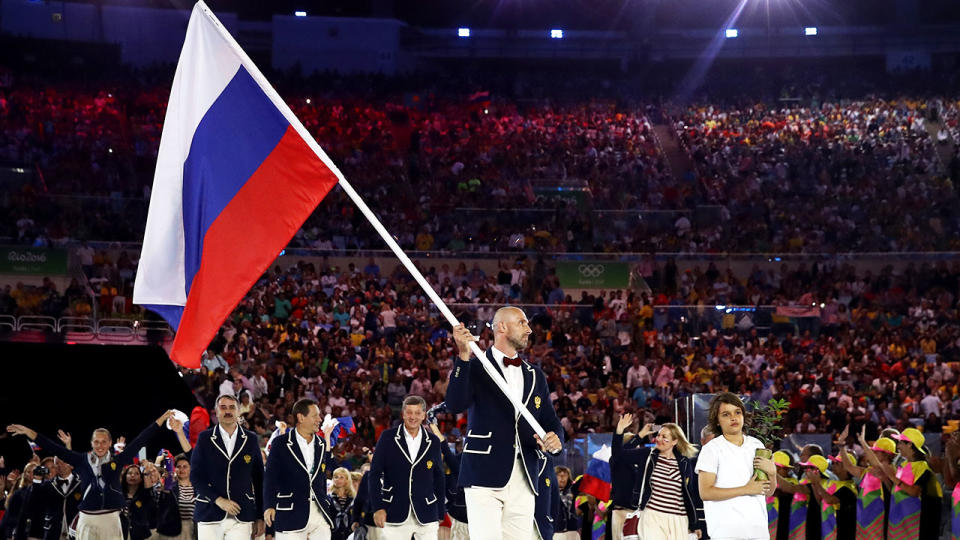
(99, 526)
(568, 535)
(410, 527)
(317, 527)
(617, 519)
(502, 514)
(655, 524)
(459, 530)
(228, 529)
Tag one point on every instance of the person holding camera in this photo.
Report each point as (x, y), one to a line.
(99, 469)
(30, 522)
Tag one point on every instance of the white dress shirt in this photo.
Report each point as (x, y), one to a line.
(229, 441)
(413, 441)
(307, 449)
(512, 374)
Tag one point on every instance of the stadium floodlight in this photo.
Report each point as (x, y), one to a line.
(810, 31)
(463, 32)
(731, 33)
(300, 13)
(556, 33)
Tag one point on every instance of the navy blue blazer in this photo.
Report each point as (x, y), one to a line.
(61, 505)
(362, 505)
(493, 428)
(546, 511)
(456, 498)
(95, 498)
(30, 522)
(397, 478)
(289, 487)
(238, 476)
(625, 478)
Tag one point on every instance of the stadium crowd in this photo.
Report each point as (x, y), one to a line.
(766, 169)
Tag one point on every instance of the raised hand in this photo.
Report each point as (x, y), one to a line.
(646, 430)
(463, 337)
(163, 418)
(18, 429)
(845, 434)
(65, 438)
(625, 421)
(862, 438)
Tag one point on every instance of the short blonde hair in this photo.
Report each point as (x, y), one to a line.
(683, 445)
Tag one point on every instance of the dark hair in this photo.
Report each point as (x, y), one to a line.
(302, 407)
(724, 398)
(227, 396)
(181, 457)
(413, 399)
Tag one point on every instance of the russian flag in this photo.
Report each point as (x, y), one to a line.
(345, 426)
(237, 175)
(596, 480)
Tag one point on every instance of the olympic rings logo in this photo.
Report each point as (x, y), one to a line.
(591, 270)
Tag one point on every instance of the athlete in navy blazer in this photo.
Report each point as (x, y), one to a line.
(100, 465)
(493, 428)
(289, 486)
(400, 481)
(547, 511)
(456, 504)
(227, 481)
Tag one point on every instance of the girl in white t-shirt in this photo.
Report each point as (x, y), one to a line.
(734, 501)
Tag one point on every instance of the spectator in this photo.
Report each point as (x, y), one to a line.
(342, 495)
(184, 493)
(668, 503)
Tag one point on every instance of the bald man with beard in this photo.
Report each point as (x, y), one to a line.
(502, 456)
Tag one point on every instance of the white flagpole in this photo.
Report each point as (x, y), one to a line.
(371, 217)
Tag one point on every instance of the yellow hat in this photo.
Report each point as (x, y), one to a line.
(850, 457)
(817, 462)
(782, 459)
(914, 437)
(885, 444)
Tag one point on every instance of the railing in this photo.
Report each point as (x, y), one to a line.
(119, 329)
(78, 327)
(88, 328)
(8, 323)
(37, 322)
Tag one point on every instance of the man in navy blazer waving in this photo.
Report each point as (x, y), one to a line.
(407, 478)
(295, 482)
(502, 456)
(226, 470)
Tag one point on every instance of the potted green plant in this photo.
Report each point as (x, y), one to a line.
(765, 425)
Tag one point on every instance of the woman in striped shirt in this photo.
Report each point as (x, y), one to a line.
(668, 491)
(183, 490)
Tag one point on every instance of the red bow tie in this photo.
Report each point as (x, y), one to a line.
(511, 361)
